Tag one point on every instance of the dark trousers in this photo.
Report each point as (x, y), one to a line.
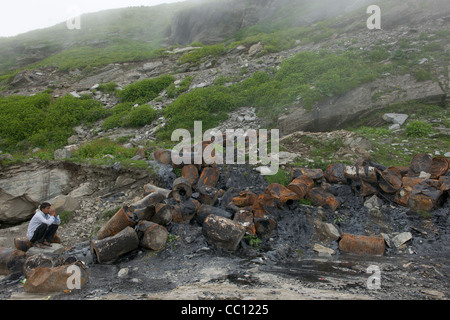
(44, 233)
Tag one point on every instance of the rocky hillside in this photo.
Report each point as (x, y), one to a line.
(82, 114)
(283, 64)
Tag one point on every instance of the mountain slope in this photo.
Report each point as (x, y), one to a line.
(295, 74)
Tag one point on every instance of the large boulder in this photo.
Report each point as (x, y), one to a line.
(23, 191)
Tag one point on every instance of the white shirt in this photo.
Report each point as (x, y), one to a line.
(38, 219)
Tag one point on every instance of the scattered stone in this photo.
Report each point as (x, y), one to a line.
(396, 118)
(56, 248)
(321, 249)
(62, 154)
(123, 272)
(401, 238)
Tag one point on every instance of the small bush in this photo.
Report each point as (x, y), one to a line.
(145, 90)
(418, 129)
(40, 121)
(197, 55)
(96, 149)
(140, 116)
(107, 88)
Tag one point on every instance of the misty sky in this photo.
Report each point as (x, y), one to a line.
(19, 16)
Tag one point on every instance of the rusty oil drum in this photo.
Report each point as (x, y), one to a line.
(11, 260)
(363, 245)
(122, 219)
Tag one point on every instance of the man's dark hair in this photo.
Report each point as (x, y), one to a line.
(44, 205)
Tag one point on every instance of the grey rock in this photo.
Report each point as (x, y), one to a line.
(61, 154)
(395, 118)
(56, 248)
(401, 238)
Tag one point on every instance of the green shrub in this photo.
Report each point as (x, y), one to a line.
(145, 90)
(209, 105)
(107, 88)
(197, 55)
(126, 115)
(96, 149)
(418, 129)
(39, 121)
(173, 91)
(281, 177)
(140, 116)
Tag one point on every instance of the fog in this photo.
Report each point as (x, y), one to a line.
(20, 16)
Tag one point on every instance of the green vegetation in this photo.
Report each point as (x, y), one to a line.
(209, 105)
(40, 121)
(108, 87)
(419, 135)
(195, 57)
(281, 177)
(99, 148)
(126, 115)
(174, 91)
(87, 57)
(145, 90)
(310, 77)
(253, 241)
(65, 217)
(418, 129)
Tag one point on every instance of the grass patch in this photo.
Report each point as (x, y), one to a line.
(40, 121)
(145, 90)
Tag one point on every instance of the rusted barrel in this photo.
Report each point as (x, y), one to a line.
(360, 244)
(245, 218)
(11, 261)
(223, 233)
(262, 203)
(151, 235)
(334, 173)
(163, 214)
(182, 189)
(150, 188)
(426, 195)
(390, 180)
(322, 198)
(151, 199)
(365, 173)
(209, 177)
(314, 174)
(301, 185)
(56, 279)
(439, 167)
(205, 210)
(190, 172)
(122, 219)
(245, 198)
(282, 194)
(144, 209)
(163, 156)
(208, 195)
(420, 162)
(184, 212)
(22, 244)
(109, 249)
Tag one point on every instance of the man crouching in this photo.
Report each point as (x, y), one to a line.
(43, 226)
